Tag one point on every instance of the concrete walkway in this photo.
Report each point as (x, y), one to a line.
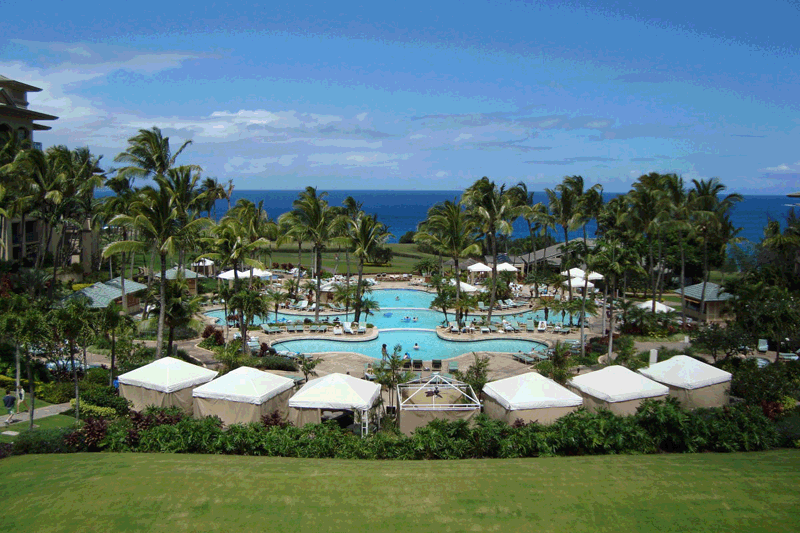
(38, 413)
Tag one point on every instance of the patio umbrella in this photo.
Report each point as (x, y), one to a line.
(228, 274)
(660, 308)
(507, 267)
(574, 273)
(479, 267)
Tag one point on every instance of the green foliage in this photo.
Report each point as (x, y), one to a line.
(476, 375)
(42, 441)
(788, 429)
(96, 376)
(58, 392)
(407, 237)
(89, 410)
(107, 397)
(769, 384)
(274, 363)
(721, 341)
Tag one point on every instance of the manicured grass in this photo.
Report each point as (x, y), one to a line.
(176, 493)
(48, 422)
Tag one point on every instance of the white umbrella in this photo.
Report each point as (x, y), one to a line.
(660, 308)
(228, 274)
(594, 276)
(507, 267)
(578, 282)
(203, 263)
(258, 273)
(479, 267)
(466, 287)
(574, 273)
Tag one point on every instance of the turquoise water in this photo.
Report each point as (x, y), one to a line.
(430, 345)
(387, 298)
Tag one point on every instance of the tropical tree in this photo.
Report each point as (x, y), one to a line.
(366, 235)
(491, 208)
(389, 374)
(249, 304)
(276, 297)
(149, 155)
(68, 322)
(308, 366)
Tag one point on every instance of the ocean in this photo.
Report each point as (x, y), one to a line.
(401, 211)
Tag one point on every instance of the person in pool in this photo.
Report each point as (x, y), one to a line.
(414, 319)
(384, 352)
(396, 298)
(416, 346)
(406, 356)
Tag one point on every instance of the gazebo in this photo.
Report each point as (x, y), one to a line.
(530, 397)
(693, 383)
(617, 389)
(243, 395)
(334, 392)
(165, 382)
(429, 398)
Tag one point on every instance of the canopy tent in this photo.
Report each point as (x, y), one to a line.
(617, 389)
(228, 274)
(203, 263)
(434, 397)
(507, 267)
(243, 395)
(165, 382)
(578, 283)
(693, 383)
(466, 287)
(479, 267)
(594, 276)
(574, 273)
(660, 308)
(334, 392)
(530, 397)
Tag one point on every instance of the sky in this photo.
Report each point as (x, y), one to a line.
(426, 95)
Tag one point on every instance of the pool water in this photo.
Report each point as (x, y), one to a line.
(397, 325)
(430, 345)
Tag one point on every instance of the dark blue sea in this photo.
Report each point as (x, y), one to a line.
(401, 211)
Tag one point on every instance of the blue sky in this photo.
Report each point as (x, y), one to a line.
(427, 95)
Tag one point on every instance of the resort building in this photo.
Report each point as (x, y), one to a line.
(102, 293)
(713, 303)
(189, 275)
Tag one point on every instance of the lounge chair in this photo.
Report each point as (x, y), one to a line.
(237, 336)
(369, 374)
(557, 328)
(313, 329)
(312, 307)
(274, 329)
(509, 327)
(346, 328)
(362, 328)
(416, 364)
(523, 358)
(436, 365)
(337, 330)
(529, 325)
(323, 329)
(763, 346)
(485, 329)
(482, 306)
(453, 327)
(522, 326)
(542, 326)
(492, 328)
(452, 366)
(407, 364)
(565, 330)
(302, 305)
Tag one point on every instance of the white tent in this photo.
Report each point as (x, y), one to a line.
(660, 308)
(594, 276)
(479, 267)
(530, 397)
(164, 383)
(203, 263)
(578, 283)
(694, 383)
(507, 267)
(616, 388)
(334, 392)
(574, 273)
(228, 274)
(258, 273)
(466, 287)
(435, 397)
(243, 395)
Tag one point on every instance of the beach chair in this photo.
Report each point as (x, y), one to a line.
(452, 366)
(312, 307)
(557, 328)
(416, 365)
(522, 326)
(524, 358)
(323, 329)
(301, 305)
(436, 365)
(453, 327)
(492, 328)
(237, 336)
(346, 328)
(362, 328)
(529, 326)
(406, 364)
(763, 346)
(369, 374)
(482, 306)
(338, 330)
(313, 329)
(510, 328)
(485, 329)
(542, 326)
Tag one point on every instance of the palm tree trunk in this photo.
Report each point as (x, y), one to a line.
(458, 293)
(31, 392)
(683, 287)
(583, 311)
(162, 298)
(113, 357)
(299, 261)
(170, 339)
(611, 330)
(75, 380)
(318, 261)
(492, 237)
(357, 303)
(705, 279)
(564, 258)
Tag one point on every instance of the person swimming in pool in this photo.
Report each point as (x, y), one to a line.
(396, 298)
(406, 356)
(416, 346)
(414, 319)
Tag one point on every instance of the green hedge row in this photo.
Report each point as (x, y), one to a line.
(657, 427)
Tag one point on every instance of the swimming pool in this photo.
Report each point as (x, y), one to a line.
(430, 345)
(409, 298)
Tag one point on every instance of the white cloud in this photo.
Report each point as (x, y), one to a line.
(442, 174)
(358, 159)
(346, 143)
(418, 136)
(779, 168)
(361, 117)
(257, 165)
(463, 137)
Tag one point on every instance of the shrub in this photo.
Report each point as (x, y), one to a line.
(43, 441)
(671, 428)
(97, 376)
(57, 392)
(275, 363)
(95, 411)
(187, 436)
(771, 384)
(788, 430)
(274, 419)
(739, 427)
(89, 436)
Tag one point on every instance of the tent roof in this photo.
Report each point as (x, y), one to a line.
(172, 273)
(574, 273)
(466, 287)
(685, 372)
(228, 274)
(336, 391)
(246, 385)
(167, 375)
(479, 267)
(660, 308)
(530, 391)
(578, 282)
(507, 267)
(617, 384)
(714, 292)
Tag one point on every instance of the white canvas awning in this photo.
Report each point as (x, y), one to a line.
(466, 287)
(574, 273)
(203, 263)
(685, 372)
(479, 267)
(258, 273)
(531, 391)
(594, 276)
(660, 308)
(228, 274)
(617, 384)
(167, 375)
(507, 267)
(336, 392)
(246, 385)
(579, 283)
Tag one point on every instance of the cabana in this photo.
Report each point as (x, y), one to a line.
(243, 395)
(166, 382)
(334, 392)
(617, 389)
(693, 383)
(530, 397)
(426, 399)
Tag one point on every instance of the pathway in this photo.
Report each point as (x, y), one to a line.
(39, 412)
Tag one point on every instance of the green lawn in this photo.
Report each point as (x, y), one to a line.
(55, 421)
(176, 493)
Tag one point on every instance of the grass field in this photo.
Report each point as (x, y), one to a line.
(55, 421)
(177, 493)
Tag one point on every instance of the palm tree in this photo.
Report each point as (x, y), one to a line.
(344, 293)
(366, 235)
(451, 231)
(491, 208)
(213, 190)
(259, 229)
(155, 218)
(149, 155)
(563, 205)
(276, 297)
(249, 304)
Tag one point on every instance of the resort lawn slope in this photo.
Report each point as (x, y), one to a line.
(176, 493)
